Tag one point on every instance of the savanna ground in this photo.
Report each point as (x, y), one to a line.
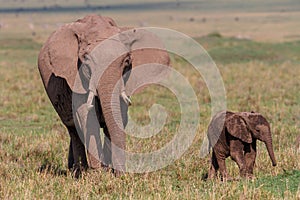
(256, 48)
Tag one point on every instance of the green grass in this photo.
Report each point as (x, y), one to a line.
(233, 50)
(278, 185)
(257, 76)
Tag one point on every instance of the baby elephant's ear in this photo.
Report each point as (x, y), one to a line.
(237, 127)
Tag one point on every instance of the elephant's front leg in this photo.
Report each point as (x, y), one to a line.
(106, 148)
(119, 151)
(93, 141)
(250, 157)
(78, 153)
(237, 154)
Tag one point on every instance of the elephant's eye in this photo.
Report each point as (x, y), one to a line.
(257, 129)
(127, 68)
(127, 64)
(127, 61)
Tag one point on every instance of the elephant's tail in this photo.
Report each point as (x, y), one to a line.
(205, 147)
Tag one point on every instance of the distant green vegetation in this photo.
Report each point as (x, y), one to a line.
(233, 50)
(19, 44)
(204, 6)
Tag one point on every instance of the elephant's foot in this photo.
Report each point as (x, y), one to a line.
(211, 174)
(243, 172)
(105, 167)
(227, 178)
(118, 173)
(93, 162)
(118, 167)
(224, 177)
(77, 170)
(204, 176)
(249, 176)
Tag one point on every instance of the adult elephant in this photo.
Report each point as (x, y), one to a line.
(85, 65)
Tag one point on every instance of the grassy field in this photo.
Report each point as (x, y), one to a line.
(260, 68)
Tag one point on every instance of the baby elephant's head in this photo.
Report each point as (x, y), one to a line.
(249, 126)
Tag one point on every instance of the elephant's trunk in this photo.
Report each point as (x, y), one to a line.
(269, 145)
(110, 103)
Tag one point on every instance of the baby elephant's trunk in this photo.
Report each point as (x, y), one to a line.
(269, 146)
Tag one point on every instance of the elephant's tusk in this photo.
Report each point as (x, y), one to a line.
(89, 102)
(126, 98)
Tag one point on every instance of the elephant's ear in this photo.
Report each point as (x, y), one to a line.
(59, 56)
(66, 49)
(146, 48)
(237, 127)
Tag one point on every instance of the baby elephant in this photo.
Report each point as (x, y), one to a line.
(235, 134)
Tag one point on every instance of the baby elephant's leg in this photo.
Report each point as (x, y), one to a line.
(222, 166)
(214, 166)
(237, 154)
(250, 156)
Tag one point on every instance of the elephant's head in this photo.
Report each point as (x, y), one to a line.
(95, 57)
(250, 125)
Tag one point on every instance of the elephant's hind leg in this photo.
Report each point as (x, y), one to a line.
(77, 154)
(213, 167)
(70, 157)
(222, 169)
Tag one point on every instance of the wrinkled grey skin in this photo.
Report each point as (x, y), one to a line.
(65, 55)
(235, 135)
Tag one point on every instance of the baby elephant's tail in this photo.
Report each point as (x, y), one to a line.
(205, 147)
